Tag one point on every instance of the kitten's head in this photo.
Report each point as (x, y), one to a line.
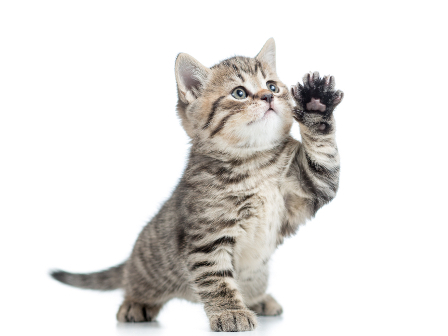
(237, 106)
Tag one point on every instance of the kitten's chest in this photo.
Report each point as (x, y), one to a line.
(258, 237)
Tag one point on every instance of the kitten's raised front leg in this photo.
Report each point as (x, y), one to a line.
(212, 275)
(315, 164)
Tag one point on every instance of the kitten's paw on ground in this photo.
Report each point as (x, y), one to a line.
(137, 312)
(317, 94)
(233, 320)
(267, 307)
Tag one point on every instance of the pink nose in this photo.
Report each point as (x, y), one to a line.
(268, 97)
(265, 95)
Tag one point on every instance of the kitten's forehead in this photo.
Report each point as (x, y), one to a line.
(242, 70)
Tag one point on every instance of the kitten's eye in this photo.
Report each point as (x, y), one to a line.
(272, 87)
(239, 93)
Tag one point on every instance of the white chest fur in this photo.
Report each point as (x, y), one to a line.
(258, 238)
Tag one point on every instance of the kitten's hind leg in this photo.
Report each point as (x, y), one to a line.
(137, 312)
(267, 306)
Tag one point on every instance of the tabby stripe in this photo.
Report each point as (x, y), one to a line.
(213, 111)
(140, 266)
(232, 180)
(219, 274)
(226, 240)
(314, 166)
(202, 264)
(227, 223)
(155, 262)
(207, 283)
(221, 222)
(247, 70)
(196, 237)
(328, 155)
(311, 187)
(333, 186)
(225, 175)
(149, 264)
(237, 72)
(243, 199)
(221, 294)
(324, 174)
(237, 162)
(306, 180)
(220, 126)
(257, 62)
(171, 277)
(223, 170)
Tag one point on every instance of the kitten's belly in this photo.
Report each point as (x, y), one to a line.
(258, 240)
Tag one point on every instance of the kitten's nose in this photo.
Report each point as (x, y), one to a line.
(265, 95)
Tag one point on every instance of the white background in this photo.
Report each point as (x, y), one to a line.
(91, 146)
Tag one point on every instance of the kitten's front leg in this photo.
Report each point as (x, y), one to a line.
(212, 275)
(316, 162)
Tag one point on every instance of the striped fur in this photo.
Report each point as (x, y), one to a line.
(247, 185)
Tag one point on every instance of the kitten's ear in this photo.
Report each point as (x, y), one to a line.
(267, 54)
(190, 77)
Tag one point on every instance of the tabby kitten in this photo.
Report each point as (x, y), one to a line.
(247, 185)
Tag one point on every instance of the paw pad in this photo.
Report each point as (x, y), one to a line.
(316, 105)
(317, 94)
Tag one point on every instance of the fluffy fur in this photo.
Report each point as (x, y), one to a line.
(247, 185)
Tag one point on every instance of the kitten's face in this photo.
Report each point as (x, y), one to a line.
(239, 105)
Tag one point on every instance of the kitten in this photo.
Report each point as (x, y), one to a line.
(247, 185)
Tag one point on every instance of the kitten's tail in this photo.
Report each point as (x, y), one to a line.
(109, 279)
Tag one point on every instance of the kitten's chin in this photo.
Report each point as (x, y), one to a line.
(263, 133)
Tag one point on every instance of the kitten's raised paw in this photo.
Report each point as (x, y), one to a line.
(137, 312)
(267, 307)
(233, 320)
(316, 94)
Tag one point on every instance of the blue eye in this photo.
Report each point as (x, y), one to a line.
(271, 86)
(239, 93)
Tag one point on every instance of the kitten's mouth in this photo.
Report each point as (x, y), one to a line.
(266, 114)
(269, 111)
